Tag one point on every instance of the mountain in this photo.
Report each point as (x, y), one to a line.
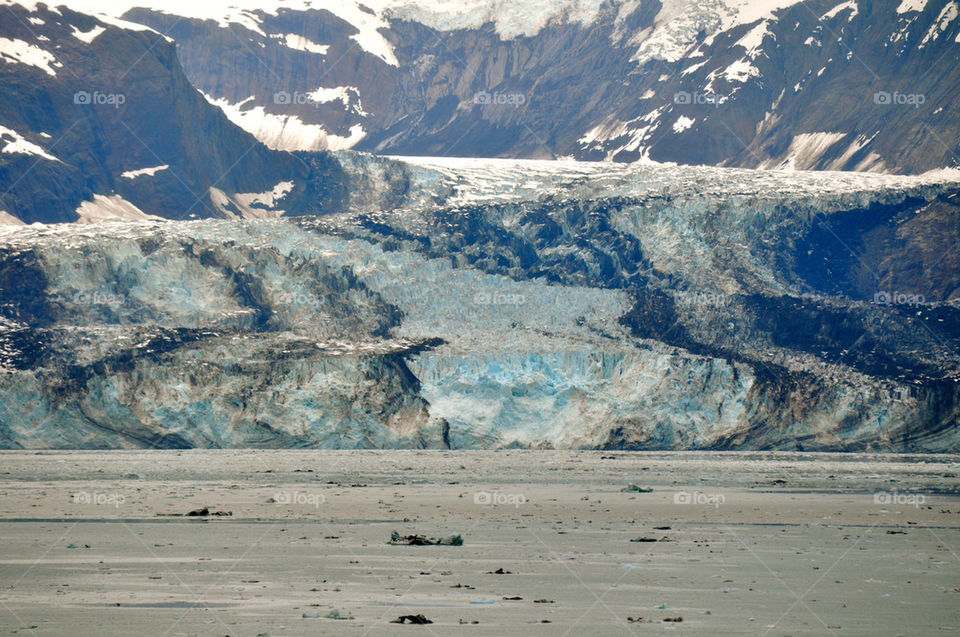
(99, 121)
(502, 303)
(814, 84)
(160, 113)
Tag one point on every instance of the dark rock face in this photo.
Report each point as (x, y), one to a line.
(120, 104)
(819, 85)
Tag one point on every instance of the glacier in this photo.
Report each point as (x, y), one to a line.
(496, 303)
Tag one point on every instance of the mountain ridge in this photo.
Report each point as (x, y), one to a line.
(725, 83)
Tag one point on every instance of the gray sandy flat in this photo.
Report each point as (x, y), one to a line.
(96, 543)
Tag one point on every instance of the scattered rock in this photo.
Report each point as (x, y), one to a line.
(639, 620)
(422, 540)
(413, 619)
(500, 571)
(632, 488)
(206, 512)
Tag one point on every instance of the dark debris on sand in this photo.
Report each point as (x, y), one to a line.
(422, 540)
(413, 619)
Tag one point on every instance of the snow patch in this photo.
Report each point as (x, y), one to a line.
(261, 205)
(740, 71)
(805, 151)
(19, 145)
(691, 69)
(682, 124)
(88, 36)
(855, 147)
(912, 5)
(947, 15)
(270, 198)
(300, 43)
(754, 38)
(342, 93)
(113, 208)
(510, 19)
(285, 132)
(850, 5)
(149, 172)
(7, 219)
(25, 53)
(681, 23)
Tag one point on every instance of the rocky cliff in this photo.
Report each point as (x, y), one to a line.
(98, 121)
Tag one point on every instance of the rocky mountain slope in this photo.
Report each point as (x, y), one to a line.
(815, 84)
(501, 303)
(99, 121)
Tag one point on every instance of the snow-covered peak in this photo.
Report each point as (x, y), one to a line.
(248, 13)
(511, 19)
(681, 23)
(105, 11)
